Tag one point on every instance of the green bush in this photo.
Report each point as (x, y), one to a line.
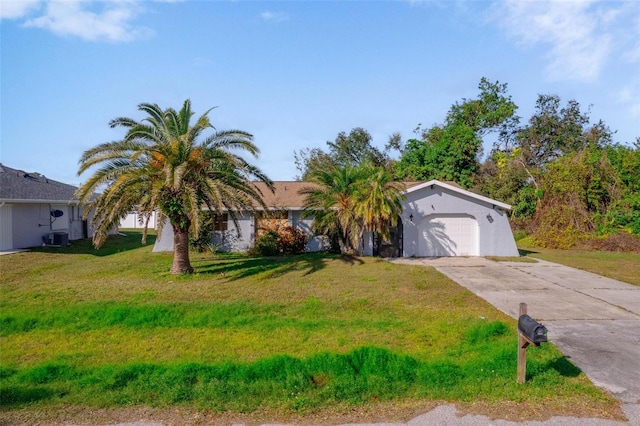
(266, 245)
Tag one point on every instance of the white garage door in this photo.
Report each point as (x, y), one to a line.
(448, 235)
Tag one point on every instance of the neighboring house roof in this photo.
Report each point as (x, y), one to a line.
(22, 187)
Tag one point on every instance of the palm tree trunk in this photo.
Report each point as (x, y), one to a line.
(181, 263)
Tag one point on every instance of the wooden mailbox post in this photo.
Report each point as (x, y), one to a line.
(530, 332)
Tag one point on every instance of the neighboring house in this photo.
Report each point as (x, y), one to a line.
(134, 220)
(438, 219)
(35, 210)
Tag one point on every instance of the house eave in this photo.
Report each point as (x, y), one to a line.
(435, 182)
(35, 201)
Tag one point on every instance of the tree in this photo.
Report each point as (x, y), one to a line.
(451, 151)
(348, 200)
(378, 201)
(554, 131)
(624, 214)
(445, 153)
(352, 149)
(161, 164)
(579, 189)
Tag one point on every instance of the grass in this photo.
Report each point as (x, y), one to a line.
(622, 266)
(112, 328)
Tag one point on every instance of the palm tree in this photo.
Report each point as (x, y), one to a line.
(348, 200)
(379, 201)
(330, 202)
(161, 165)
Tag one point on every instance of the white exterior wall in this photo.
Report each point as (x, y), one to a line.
(132, 221)
(246, 223)
(234, 241)
(315, 243)
(27, 223)
(494, 236)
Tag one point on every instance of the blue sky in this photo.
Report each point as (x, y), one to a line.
(294, 74)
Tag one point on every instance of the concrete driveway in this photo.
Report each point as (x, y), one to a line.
(593, 320)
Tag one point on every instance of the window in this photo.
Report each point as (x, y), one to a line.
(219, 222)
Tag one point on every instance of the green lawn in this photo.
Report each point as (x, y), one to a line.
(621, 266)
(111, 328)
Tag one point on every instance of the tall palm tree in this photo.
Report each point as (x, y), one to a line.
(160, 164)
(349, 200)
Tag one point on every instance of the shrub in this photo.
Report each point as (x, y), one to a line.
(291, 240)
(285, 240)
(266, 244)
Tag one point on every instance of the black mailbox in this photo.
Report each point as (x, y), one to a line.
(532, 330)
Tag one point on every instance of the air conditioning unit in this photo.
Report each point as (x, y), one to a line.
(56, 239)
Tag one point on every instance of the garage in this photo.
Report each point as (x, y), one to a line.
(448, 235)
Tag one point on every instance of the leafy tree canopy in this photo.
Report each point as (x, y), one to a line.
(450, 151)
(352, 149)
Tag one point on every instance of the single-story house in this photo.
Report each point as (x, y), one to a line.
(134, 220)
(437, 219)
(35, 210)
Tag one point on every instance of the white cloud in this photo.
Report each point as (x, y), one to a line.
(274, 16)
(577, 33)
(14, 9)
(109, 20)
(630, 96)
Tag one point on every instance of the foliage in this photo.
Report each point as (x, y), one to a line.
(554, 131)
(451, 151)
(161, 164)
(624, 213)
(266, 244)
(349, 200)
(281, 240)
(503, 177)
(350, 149)
(563, 187)
(201, 241)
(578, 190)
(291, 240)
(444, 153)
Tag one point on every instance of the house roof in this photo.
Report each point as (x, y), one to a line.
(454, 187)
(287, 193)
(22, 187)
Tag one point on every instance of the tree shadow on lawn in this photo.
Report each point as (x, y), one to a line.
(240, 268)
(130, 240)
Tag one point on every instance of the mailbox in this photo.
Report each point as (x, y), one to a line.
(532, 330)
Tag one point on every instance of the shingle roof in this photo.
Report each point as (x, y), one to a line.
(17, 185)
(287, 193)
